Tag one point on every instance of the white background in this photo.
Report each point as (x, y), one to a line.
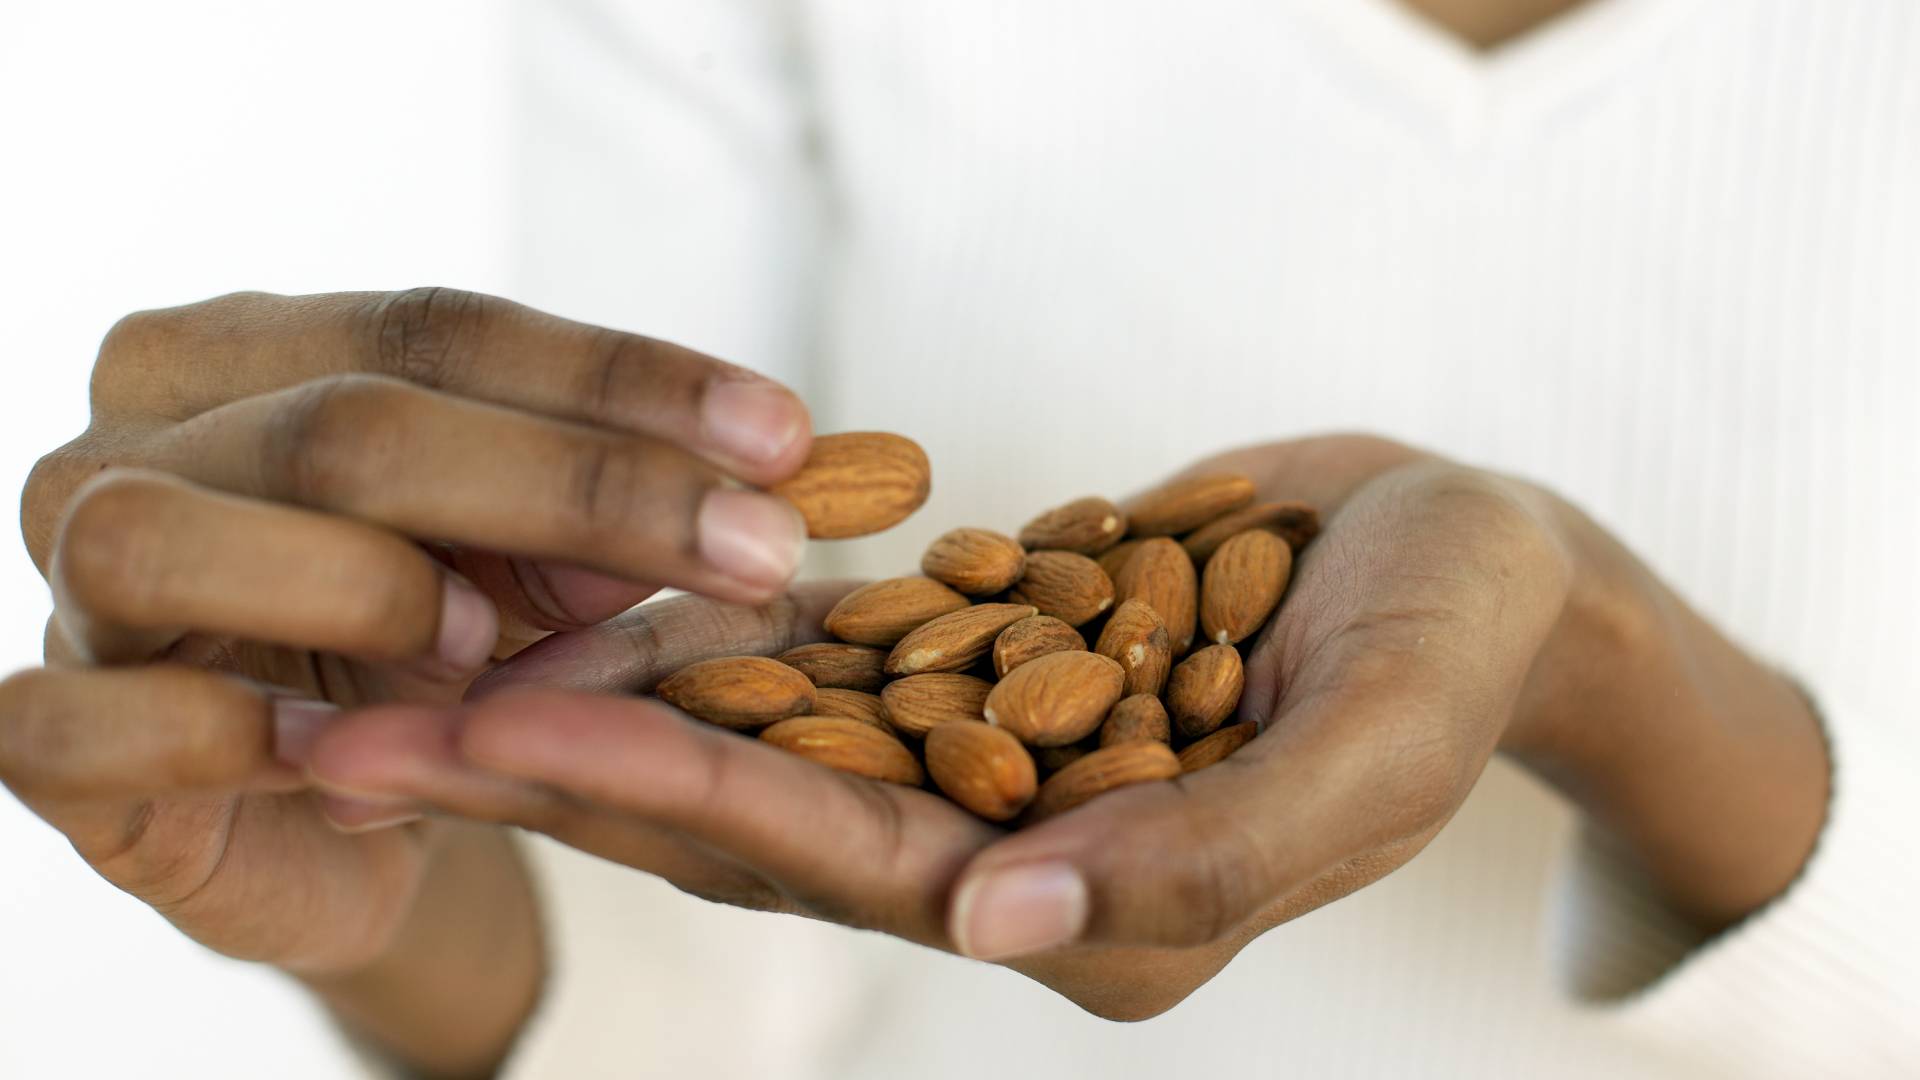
(154, 154)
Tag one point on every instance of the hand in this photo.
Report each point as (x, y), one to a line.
(287, 505)
(1445, 613)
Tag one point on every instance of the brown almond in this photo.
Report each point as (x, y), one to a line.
(857, 483)
(1138, 717)
(1216, 747)
(1241, 585)
(978, 562)
(1066, 585)
(835, 665)
(1032, 638)
(847, 745)
(1102, 771)
(982, 768)
(852, 704)
(1052, 759)
(1114, 559)
(1204, 689)
(1294, 522)
(919, 703)
(1056, 699)
(954, 641)
(741, 692)
(1187, 503)
(1160, 574)
(1088, 526)
(883, 612)
(1136, 639)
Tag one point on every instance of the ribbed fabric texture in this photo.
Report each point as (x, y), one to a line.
(1662, 255)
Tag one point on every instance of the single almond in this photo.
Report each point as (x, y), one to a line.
(982, 768)
(978, 562)
(1136, 639)
(1088, 526)
(1032, 638)
(1066, 585)
(883, 612)
(919, 703)
(1216, 747)
(1160, 574)
(835, 665)
(1294, 522)
(1187, 503)
(852, 704)
(1138, 717)
(1241, 585)
(849, 746)
(857, 483)
(1052, 759)
(1102, 771)
(741, 692)
(1204, 689)
(953, 641)
(1114, 559)
(1056, 699)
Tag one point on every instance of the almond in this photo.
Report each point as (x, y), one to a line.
(883, 612)
(852, 704)
(1138, 717)
(953, 641)
(1136, 639)
(741, 692)
(919, 703)
(1088, 526)
(1242, 585)
(1068, 586)
(982, 768)
(847, 745)
(1187, 503)
(1054, 758)
(1216, 747)
(1294, 522)
(857, 483)
(1056, 699)
(1160, 574)
(978, 562)
(1099, 772)
(839, 666)
(1204, 689)
(1032, 638)
(1114, 559)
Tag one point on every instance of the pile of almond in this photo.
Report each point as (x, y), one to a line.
(979, 673)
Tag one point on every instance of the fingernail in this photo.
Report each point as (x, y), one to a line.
(751, 420)
(752, 538)
(357, 815)
(469, 626)
(296, 724)
(1019, 910)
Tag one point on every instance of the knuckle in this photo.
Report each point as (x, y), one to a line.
(601, 495)
(328, 440)
(43, 500)
(425, 335)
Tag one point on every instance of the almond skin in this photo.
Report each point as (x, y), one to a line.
(857, 483)
(1204, 689)
(978, 562)
(954, 641)
(919, 703)
(1030, 639)
(1057, 699)
(883, 612)
(834, 665)
(854, 705)
(1187, 503)
(1136, 639)
(1068, 586)
(1099, 772)
(1160, 574)
(1052, 759)
(1088, 526)
(982, 768)
(1294, 522)
(1114, 559)
(1216, 747)
(1242, 584)
(1138, 717)
(740, 692)
(847, 745)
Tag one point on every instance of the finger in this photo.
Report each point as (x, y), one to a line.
(636, 650)
(538, 597)
(445, 468)
(144, 558)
